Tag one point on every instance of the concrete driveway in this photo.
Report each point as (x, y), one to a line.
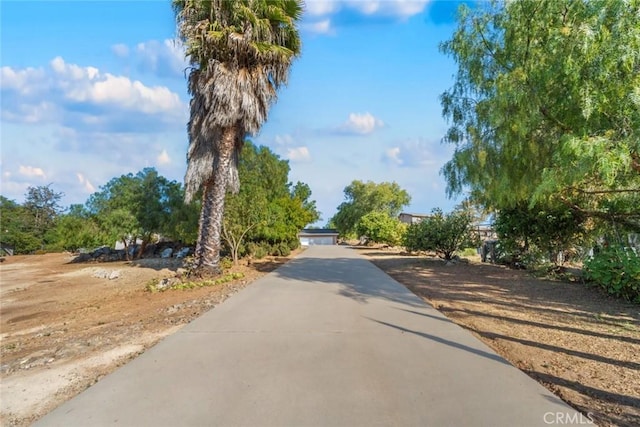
(326, 340)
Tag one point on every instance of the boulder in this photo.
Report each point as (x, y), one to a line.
(182, 253)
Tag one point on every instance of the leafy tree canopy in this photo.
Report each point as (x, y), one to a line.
(543, 231)
(362, 198)
(546, 106)
(27, 227)
(379, 227)
(16, 227)
(43, 204)
(442, 233)
(135, 206)
(267, 207)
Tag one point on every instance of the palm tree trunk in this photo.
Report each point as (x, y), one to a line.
(209, 235)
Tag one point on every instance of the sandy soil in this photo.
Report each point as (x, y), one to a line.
(63, 325)
(577, 342)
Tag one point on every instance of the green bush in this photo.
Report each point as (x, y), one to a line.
(616, 270)
(293, 244)
(283, 249)
(226, 263)
(257, 250)
(469, 252)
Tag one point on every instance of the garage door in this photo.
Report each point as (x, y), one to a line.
(316, 240)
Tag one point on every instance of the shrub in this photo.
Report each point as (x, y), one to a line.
(283, 249)
(469, 252)
(257, 250)
(441, 233)
(226, 263)
(616, 270)
(293, 244)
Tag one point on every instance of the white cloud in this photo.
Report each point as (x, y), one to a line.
(120, 50)
(416, 153)
(299, 154)
(366, 7)
(360, 124)
(392, 155)
(73, 71)
(285, 139)
(321, 7)
(124, 93)
(164, 58)
(320, 27)
(30, 113)
(86, 184)
(85, 96)
(21, 81)
(30, 171)
(163, 158)
(392, 8)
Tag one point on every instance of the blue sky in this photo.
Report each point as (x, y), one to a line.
(93, 90)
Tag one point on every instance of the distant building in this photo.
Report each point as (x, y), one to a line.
(318, 236)
(412, 218)
(485, 232)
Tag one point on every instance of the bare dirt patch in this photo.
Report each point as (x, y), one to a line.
(577, 342)
(63, 326)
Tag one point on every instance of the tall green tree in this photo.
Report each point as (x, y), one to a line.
(545, 107)
(362, 198)
(267, 208)
(16, 227)
(132, 207)
(42, 204)
(240, 54)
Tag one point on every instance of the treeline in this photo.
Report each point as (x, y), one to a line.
(540, 238)
(263, 218)
(370, 213)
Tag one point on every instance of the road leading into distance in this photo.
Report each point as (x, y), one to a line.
(326, 340)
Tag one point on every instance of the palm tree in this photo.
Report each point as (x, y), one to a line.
(240, 53)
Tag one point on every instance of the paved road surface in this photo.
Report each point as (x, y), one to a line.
(326, 340)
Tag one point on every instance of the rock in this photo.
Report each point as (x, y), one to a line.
(102, 250)
(167, 253)
(165, 283)
(182, 253)
(114, 274)
(101, 273)
(133, 249)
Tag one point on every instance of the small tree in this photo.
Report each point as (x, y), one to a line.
(242, 214)
(442, 233)
(379, 227)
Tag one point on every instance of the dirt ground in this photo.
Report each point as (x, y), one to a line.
(577, 342)
(63, 325)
